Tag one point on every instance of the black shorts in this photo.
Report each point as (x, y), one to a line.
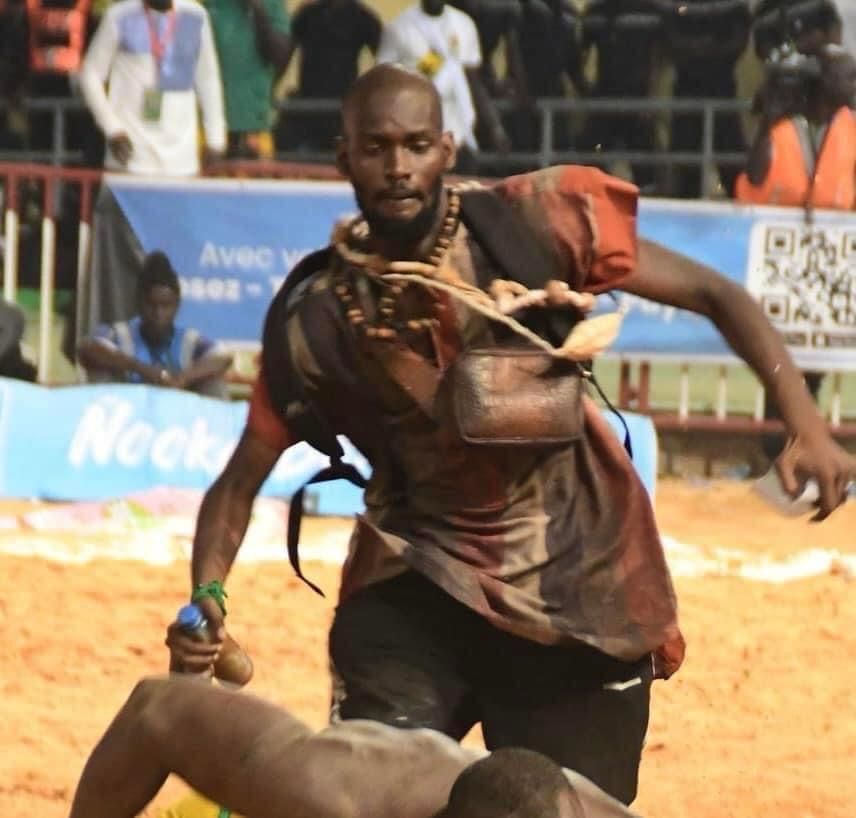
(407, 654)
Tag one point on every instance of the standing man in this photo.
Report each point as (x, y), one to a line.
(522, 585)
(496, 22)
(627, 34)
(332, 36)
(804, 151)
(442, 43)
(253, 44)
(550, 55)
(706, 38)
(158, 58)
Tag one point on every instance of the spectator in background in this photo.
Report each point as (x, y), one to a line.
(626, 34)
(442, 43)
(705, 39)
(804, 152)
(551, 54)
(151, 348)
(331, 36)
(497, 22)
(12, 362)
(807, 24)
(253, 45)
(159, 60)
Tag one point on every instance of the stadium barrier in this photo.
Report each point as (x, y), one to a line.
(104, 441)
(17, 180)
(547, 110)
(232, 256)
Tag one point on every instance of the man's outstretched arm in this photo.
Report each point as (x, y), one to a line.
(256, 759)
(236, 749)
(671, 278)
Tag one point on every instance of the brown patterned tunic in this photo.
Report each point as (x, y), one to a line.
(554, 545)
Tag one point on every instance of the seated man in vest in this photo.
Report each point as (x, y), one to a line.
(804, 154)
(256, 758)
(151, 348)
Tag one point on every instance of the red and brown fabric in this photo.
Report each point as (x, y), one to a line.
(553, 544)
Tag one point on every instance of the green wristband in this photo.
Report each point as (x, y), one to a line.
(213, 589)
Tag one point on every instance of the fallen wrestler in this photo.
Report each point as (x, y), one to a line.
(258, 760)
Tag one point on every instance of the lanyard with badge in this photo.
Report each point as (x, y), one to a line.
(153, 96)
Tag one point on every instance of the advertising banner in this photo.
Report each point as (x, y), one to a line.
(109, 441)
(233, 242)
(100, 442)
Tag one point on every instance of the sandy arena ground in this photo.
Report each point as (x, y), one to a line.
(760, 721)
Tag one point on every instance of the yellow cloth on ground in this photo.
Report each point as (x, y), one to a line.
(195, 805)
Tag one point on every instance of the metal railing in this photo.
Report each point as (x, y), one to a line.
(14, 177)
(548, 110)
(633, 389)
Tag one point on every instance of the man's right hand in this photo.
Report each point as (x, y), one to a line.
(121, 147)
(189, 655)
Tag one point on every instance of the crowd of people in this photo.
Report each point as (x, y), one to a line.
(491, 61)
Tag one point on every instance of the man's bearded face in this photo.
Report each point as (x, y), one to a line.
(395, 154)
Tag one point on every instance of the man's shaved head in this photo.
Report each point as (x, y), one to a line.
(394, 152)
(513, 783)
(378, 86)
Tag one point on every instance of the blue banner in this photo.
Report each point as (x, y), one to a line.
(234, 241)
(102, 442)
(105, 442)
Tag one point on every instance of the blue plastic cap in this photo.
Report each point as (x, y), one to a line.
(190, 617)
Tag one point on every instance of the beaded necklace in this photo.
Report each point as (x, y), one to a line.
(586, 340)
(388, 324)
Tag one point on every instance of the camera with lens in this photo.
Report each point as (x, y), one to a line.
(790, 80)
(806, 23)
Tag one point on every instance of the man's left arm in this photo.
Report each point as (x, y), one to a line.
(670, 278)
(209, 92)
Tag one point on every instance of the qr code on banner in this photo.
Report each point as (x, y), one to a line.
(804, 277)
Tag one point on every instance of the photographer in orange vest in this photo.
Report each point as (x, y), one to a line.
(804, 154)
